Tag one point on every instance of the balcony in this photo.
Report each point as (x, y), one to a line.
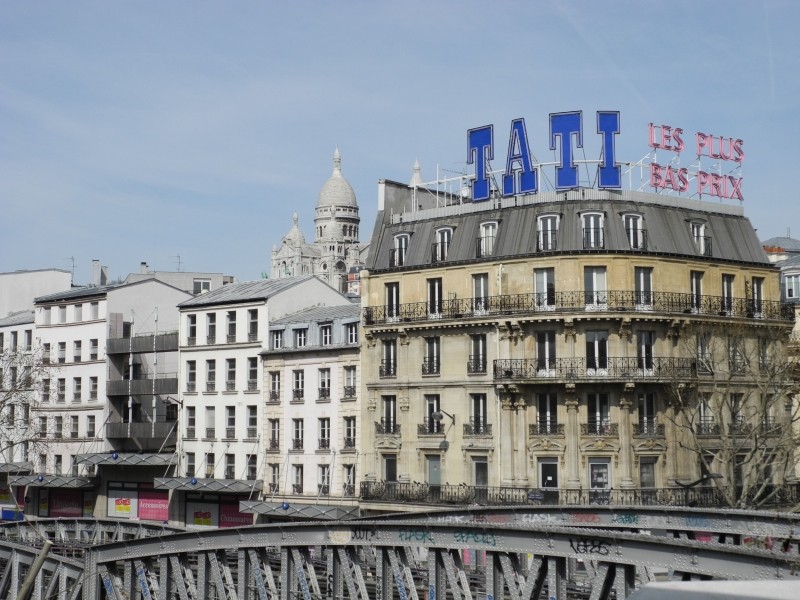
(543, 427)
(349, 443)
(191, 386)
(388, 368)
(593, 238)
(614, 301)
(476, 364)
(297, 395)
(231, 338)
(159, 430)
(191, 341)
(324, 394)
(430, 427)
(707, 427)
(230, 386)
(547, 240)
(211, 386)
(431, 366)
(349, 392)
(211, 340)
(612, 368)
(274, 445)
(297, 488)
(324, 443)
(387, 427)
(649, 427)
(297, 444)
(274, 396)
(397, 258)
(163, 383)
(190, 433)
(600, 427)
(439, 252)
(484, 246)
(477, 426)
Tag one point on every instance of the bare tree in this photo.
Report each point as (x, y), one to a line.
(737, 417)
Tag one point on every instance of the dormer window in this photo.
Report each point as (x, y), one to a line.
(635, 231)
(593, 238)
(442, 244)
(397, 256)
(546, 233)
(702, 241)
(485, 245)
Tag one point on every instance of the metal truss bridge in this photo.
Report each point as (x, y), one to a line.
(520, 553)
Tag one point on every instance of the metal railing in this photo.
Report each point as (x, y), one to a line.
(477, 426)
(388, 368)
(545, 427)
(349, 391)
(661, 368)
(649, 427)
(429, 427)
(387, 426)
(431, 366)
(601, 427)
(476, 363)
(612, 301)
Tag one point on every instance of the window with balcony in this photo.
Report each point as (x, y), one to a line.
(299, 384)
(274, 478)
(643, 288)
(277, 339)
(594, 286)
(432, 363)
(230, 374)
(645, 340)
(252, 421)
(547, 414)
(326, 335)
(77, 391)
(488, 233)
(544, 281)
(646, 404)
(211, 422)
(274, 434)
(230, 327)
(350, 433)
(593, 237)
(92, 388)
(599, 422)
(755, 304)
(297, 434)
(230, 466)
(441, 245)
(596, 353)
(546, 353)
(635, 231)
(191, 330)
(435, 300)
(432, 406)
(62, 390)
(191, 376)
(480, 294)
(297, 479)
(350, 382)
(352, 333)
(696, 285)
(230, 422)
(191, 422)
(546, 233)
(274, 386)
(45, 390)
(388, 366)
(252, 325)
(477, 357)
(211, 328)
(252, 469)
(727, 307)
(324, 376)
(397, 256)
(392, 301)
(736, 358)
(45, 351)
(478, 421)
(211, 465)
(324, 428)
(324, 479)
(62, 351)
(388, 422)
(252, 374)
(211, 375)
(58, 427)
(90, 426)
(93, 349)
(300, 337)
(73, 426)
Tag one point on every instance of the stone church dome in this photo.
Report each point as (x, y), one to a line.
(337, 191)
(295, 237)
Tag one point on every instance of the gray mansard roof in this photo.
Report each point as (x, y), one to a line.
(320, 314)
(262, 289)
(665, 219)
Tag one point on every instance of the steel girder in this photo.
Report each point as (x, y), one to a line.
(59, 577)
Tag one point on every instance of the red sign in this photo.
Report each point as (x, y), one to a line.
(229, 516)
(153, 505)
(66, 503)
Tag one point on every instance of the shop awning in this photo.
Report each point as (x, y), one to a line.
(192, 484)
(16, 467)
(291, 509)
(129, 459)
(52, 481)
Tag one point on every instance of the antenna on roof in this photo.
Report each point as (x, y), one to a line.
(178, 256)
(72, 258)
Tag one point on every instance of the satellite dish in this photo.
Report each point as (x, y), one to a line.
(444, 445)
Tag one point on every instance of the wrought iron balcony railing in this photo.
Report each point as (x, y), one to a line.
(297, 444)
(298, 394)
(274, 396)
(476, 363)
(349, 443)
(649, 427)
(274, 444)
(602, 427)
(627, 368)
(612, 301)
(387, 426)
(324, 443)
(430, 427)
(545, 427)
(349, 391)
(324, 393)
(707, 426)
(477, 426)
(388, 368)
(431, 366)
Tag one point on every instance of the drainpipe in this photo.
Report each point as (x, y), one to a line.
(27, 585)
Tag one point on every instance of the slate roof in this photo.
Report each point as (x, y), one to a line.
(787, 243)
(318, 314)
(245, 291)
(19, 318)
(90, 291)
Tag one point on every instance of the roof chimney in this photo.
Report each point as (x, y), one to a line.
(95, 272)
(103, 275)
(143, 268)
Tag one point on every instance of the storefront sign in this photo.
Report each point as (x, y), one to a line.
(229, 516)
(153, 505)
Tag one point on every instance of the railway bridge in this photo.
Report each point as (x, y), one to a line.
(519, 553)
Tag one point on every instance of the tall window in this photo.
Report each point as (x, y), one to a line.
(392, 301)
(326, 335)
(389, 361)
(297, 479)
(28, 341)
(486, 239)
(441, 246)
(594, 285)
(324, 384)
(547, 413)
(477, 414)
(696, 283)
(252, 421)
(77, 391)
(211, 328)
(211, 375)
(546, 352)
(300, 336)
(702, 243)
(211, 422)
(93, 388)
(230, 374)
(544, 281)
(76, 351)
(299, 379)
(277, 340)
(477, 357)
(297, 434)
(230, 422)
(231, 326)
(274, 478)
(352, 333)
(592, 231)
(647, 413)
(350, 382)
(252, 325)
(432, 354)
(252, 373)
(431, 425)
(93, 349)
(191, 329)
(90, 426)
(596, 352)
(727, 294)
(644, 351)
(62, 349)
(736, 359)
(435, 301)
(324, 427)
(634, 231)
(252, 469)
(546, 233)
(324, 477)
(274, 434)
(389, 414)
(643, 283)
(791, 285)
(397, 257)
(211, 465)
(350, 433)
(756, 301)
(704, 363)
(274, 386)
(599, 420)
(480, 293)
(191, 422)
(94, 310)
(349, 480)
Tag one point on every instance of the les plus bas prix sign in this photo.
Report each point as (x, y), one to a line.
(566, 134)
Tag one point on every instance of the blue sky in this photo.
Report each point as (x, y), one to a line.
(143, 131)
